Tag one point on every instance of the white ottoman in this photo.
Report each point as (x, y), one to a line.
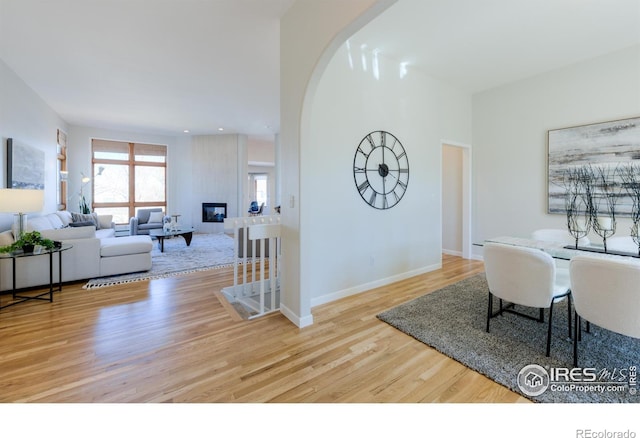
(123, 255)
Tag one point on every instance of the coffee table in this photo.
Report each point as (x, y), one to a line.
(160, 234)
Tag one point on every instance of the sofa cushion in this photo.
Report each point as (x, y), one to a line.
(118, 246)
(65, 217)
(70, 233)
(6, 238)
(39, 223)
(55, 221)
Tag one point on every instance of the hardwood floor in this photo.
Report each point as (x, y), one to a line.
(173, 340)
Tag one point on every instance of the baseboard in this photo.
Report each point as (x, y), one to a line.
(372, 285)
(452, 252)
(298, 321)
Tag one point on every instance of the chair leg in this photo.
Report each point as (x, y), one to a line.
(576, 335)
(490, 311)
(541, 317)
(549, 330)
(569, 313)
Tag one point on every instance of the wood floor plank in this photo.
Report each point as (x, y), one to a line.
(177, 340)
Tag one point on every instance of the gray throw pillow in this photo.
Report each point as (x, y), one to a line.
(83, 218)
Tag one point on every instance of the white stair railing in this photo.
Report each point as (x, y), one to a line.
(252, 236)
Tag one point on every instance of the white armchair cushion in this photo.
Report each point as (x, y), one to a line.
(156, 216)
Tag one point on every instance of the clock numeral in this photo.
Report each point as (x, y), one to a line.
(371, 142)
(404, 170)
(372, 199)
(359, 170)
(402, 184)
(401, 155)
(363, 152)
(396, 196)
(385, 202)
(363, 187)
(383, 138)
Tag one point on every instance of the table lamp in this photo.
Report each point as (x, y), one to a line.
(21, 201)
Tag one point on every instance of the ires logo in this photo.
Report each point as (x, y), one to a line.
(534, 380)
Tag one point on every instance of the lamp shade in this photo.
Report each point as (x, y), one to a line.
(21, 200)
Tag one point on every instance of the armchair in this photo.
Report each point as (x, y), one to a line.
(146, 220)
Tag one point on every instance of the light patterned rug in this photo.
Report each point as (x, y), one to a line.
(207, 251)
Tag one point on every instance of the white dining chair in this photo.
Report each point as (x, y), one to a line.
(605, 293)
(526, 277)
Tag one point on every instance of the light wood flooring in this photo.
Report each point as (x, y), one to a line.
(174, 340)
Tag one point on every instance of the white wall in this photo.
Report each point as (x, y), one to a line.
(310, 32)
(348, 246)
(510, 125)
(25, 117)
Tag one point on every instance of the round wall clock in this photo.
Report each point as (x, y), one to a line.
(381, 170)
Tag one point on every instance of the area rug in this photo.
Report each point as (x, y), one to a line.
(453, 321)
(207, 251)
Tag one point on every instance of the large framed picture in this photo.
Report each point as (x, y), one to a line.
(606, 145)
(25, 166)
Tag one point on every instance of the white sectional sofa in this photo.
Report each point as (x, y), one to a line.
(96, 252)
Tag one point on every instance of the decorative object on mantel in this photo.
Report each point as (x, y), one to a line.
(28, 241)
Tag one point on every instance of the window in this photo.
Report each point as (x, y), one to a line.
(128, 176)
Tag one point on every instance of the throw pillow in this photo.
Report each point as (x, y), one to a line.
(95, 220)
(156, 216)
(82, 224)
(79, 217)
(6, 238)
(104, 220)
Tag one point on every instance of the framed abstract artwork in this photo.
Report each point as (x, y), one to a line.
(25, 166)
(606, 146)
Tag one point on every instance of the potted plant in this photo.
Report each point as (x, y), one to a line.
(28, 241)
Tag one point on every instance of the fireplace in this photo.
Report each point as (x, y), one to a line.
(214, 211)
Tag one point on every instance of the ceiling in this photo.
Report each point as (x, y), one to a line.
(165, 66)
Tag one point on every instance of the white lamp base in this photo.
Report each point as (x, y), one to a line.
(19, 225)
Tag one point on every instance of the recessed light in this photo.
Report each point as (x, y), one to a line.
(220, 129)
(186, 131)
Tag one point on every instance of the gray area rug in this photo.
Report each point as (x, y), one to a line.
(453, 321)
(207, 251)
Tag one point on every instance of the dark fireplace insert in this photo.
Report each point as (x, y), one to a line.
(214, 211)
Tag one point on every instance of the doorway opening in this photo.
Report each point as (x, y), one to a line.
(259, 188)
(456, 198)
